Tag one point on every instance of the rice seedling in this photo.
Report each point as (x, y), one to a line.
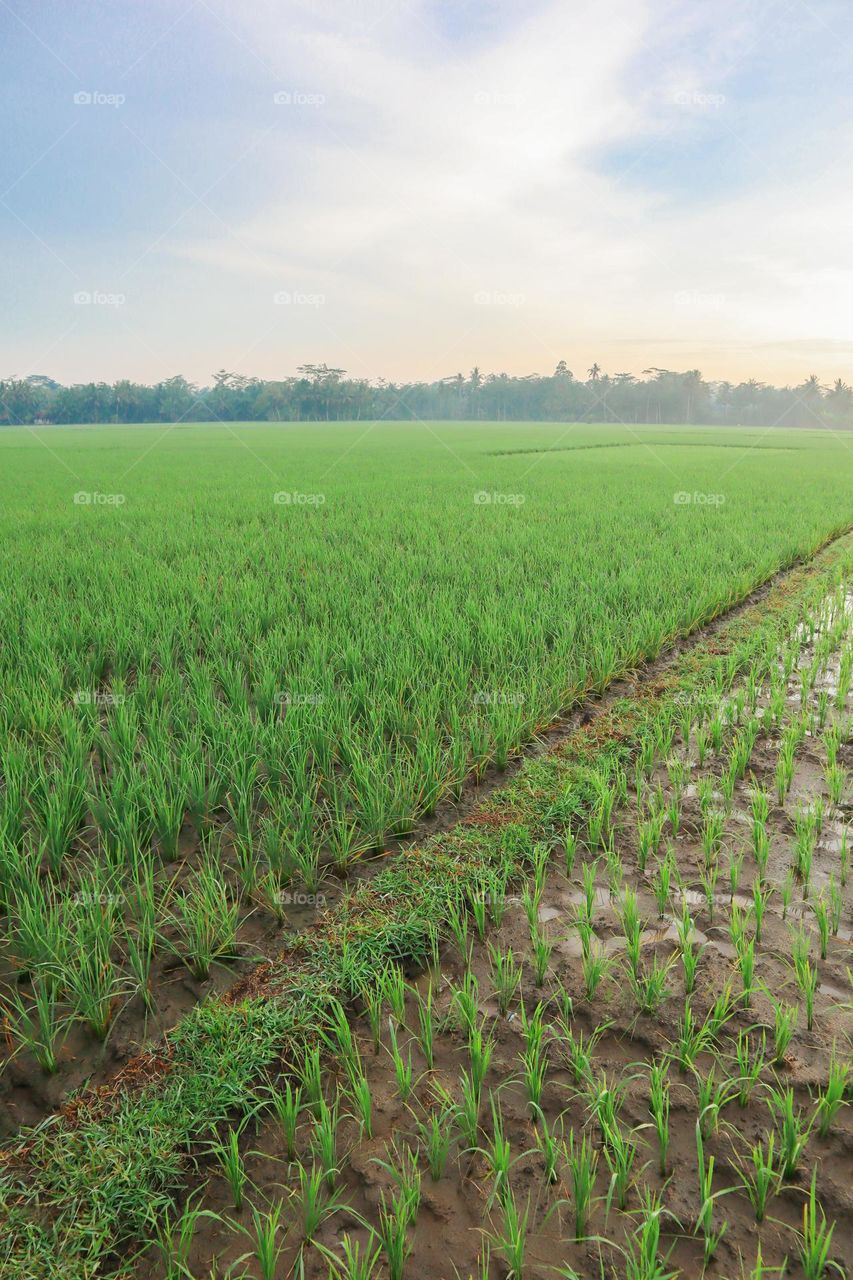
(761, 1179)
(833, 1096)
(312, 1204)
(358, 1261)
(821, 915)
(404, 1071)
(582, 1160)
(659, 1105)
(205, 918)
(434, 1133)
(511, 1237)
(791, 1129)
(749, 1065)
(38, 1028)
(620, 1154)
(816, 1240)
(534, 1056)
(312, 1078)
(707, 1196)
(595, 964)
(650, 987)
(226, 1152)
(711, 1096)
(324, 1142)
(505, 975)
(480, 1050)
(642, 1256)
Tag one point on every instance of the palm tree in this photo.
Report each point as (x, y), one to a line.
(594, 371)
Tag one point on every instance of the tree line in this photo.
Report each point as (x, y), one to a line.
(321, 393)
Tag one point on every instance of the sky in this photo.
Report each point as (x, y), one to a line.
(409, 188)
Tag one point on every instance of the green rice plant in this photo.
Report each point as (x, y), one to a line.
(465, 1001)
(642, 1257)
(816, 1240)
(711, 1096)
(312, 1078)
(746, 965)
(534, 1056)
(394, 990)
(665, 869)
(713, 828)
(174, 1236)
(480, 914)
(497, 1154)
(791, 1129)
(548, 1146)
(749, 1065)
(582, 1160)
(632, 927)
(659, 1106)
(693, 1038)
(735, 869)
(761, 1179)
(406, 1176)
(286, 1103)
(761, 895)
(324, 1142)
(833, 1096)
(807, 978)
(595, 965)
(701, 739)
(426, 1026)
(480, 1050)
(649, 832)
(434, 1133)
(605, 1101)
(356, 1262)
(720, 1012)
(531, 899)
(457, 918)
(708, 877)
(836, 782)
(511, 1237)
(784, 1025)
(707, 1196)
(205, 918)
(90, 973)
(543, 949)
(373, 1002)
(393, 1232)
(836, 905)
(787, 892)
(505, 975)
(37, 1027)
(226, 1153)
(620, 1154)
(313, 1205)
(650, 988)
(588, 872)
(578, 1049)
(466, 1113)
(403, 1068)
(821, 914)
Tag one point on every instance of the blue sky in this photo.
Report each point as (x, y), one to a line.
(407, 189)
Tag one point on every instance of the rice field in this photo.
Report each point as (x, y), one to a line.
(243, 666)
